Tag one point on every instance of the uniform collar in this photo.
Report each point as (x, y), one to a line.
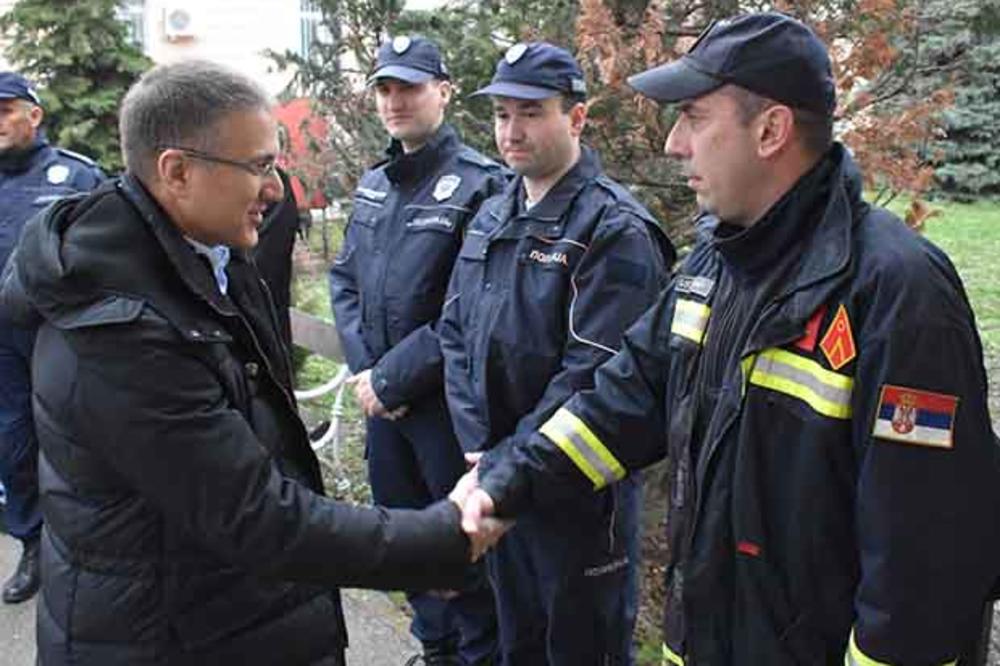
(825, 254)
(557, 200)
(404, 167)
(828, 249)
(17, 161)
(755, 251)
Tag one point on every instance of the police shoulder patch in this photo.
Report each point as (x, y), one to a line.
(446, 186)
(57, 174)
(913, 416)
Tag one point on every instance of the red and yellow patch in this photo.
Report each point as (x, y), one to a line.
(838, 343)
(807, 342)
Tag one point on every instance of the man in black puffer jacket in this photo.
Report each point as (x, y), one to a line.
(184, 516)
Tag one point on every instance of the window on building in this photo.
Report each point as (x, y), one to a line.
(310, 26)
(133, 15)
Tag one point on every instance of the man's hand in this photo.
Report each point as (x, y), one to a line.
(367, 398)
(478, 521)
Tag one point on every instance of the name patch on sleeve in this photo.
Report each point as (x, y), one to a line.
(916, 417)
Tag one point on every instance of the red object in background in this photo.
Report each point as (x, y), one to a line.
(303, 128)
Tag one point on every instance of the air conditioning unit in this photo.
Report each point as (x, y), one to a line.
(179, 21)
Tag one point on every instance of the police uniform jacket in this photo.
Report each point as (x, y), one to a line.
(184, 522)
(32, 180)
(539, 298)
(388, 282)
(834, 477)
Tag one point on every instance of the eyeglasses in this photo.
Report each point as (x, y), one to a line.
(263, 168)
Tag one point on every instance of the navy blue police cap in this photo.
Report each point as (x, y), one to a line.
(768, 53)
(413, 59)
(15, 86)
(536, 71)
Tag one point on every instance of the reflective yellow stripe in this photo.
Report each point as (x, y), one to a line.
(583, 447)
(690, 319)
(671, 657)
(829, 393)
(855, 657)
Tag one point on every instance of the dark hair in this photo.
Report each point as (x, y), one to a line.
(179, 105)
(815, 130)
(569, 100)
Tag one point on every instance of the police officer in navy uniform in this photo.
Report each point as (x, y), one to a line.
(387, 287)
(815, 380)
(33, 174)
(551, 273)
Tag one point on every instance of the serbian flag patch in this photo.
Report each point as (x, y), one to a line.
(916, 417)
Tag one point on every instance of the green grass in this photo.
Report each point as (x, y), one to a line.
(310, 293)
(970, 234)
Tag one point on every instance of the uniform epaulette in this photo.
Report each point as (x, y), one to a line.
(475, 157)
(617, 190)
(76, 156)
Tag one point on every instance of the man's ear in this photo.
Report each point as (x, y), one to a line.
(173, 172)
(775, 127)
(578, 118)
(445, 89)
(35, 116)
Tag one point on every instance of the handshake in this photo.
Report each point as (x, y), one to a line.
(479, 522)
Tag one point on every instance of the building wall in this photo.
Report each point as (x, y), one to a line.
(234, 32)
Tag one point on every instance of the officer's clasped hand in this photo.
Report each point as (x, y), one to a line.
(478, 512)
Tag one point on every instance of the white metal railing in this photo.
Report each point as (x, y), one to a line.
(332, 434)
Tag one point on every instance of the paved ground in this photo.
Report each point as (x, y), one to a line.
(377, 628)
(17, 623)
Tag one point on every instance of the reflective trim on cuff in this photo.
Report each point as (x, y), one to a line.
(587, 452)
(671, 658)
(855, 657)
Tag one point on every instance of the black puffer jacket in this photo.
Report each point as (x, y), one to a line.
(184, 521)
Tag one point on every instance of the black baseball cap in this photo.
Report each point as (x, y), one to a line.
(15, 86)
(537, 70)
(413, 59)
(768, 53)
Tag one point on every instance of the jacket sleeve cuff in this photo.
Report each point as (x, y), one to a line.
(504, 481)
(383, 388)
(856, 657)
(430, 544)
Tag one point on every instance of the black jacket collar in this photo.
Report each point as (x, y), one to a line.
(754, 252)
(825, 254)
(191, 268)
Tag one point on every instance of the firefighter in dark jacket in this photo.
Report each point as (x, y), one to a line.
(185, 521)
(387, 286)
(550, 274)
(814, 378)
(33, 174)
